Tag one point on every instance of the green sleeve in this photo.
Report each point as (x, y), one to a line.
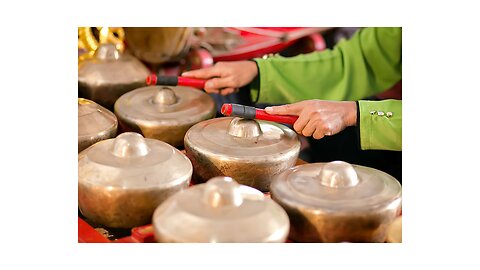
(380, 124)
(367, 64)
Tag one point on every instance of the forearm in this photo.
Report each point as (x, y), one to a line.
(365, 65)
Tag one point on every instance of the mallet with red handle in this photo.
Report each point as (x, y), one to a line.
(248, 112)
(175, 81)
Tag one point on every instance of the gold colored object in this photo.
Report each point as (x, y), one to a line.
(337, 202)
(109, 74)
(220, 211)
(121, 181)
(250, 151)
(164, 113)
(95, 123)
(90, 43)
(394, 232)
(158, 45)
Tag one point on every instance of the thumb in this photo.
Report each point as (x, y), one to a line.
(288, 109)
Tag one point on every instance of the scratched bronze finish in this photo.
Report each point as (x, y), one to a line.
(337, 202)
(259, 151)
(95, 123)
(122, 208)
(121, 181)
(313, 225)
(108, 75)
(163, 113)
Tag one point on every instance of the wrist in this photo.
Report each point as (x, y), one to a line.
(252, 68)
(351, 117)
(255, 83)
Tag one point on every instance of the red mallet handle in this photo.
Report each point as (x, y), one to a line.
(175, 81)
(286, 119)
(254, 113)
(197, 83)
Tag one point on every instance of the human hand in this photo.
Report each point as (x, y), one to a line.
(225, 77)
(319, 117)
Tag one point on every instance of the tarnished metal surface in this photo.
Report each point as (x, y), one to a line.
(394, 231)
(220, 211)
(337, 202)
(121, 181)
(164, 113)
(250, 151)
(108, 75)
(95, 123)
(158, 45)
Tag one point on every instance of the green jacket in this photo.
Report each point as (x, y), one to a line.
(367, 64)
